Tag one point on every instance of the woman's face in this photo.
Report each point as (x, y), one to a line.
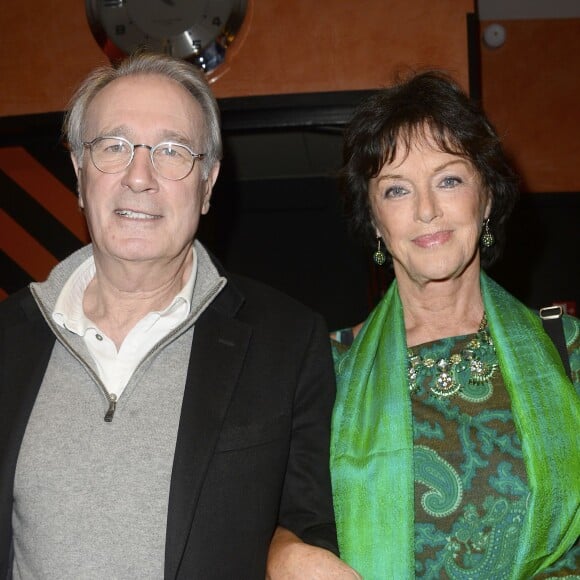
(428, 206)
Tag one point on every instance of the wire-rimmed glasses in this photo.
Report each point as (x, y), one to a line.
(173, 161)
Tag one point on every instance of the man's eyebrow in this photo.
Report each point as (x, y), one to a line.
(119, 131)
(125, 132)
(175, 136)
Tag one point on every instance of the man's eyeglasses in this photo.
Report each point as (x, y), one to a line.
(172, 161)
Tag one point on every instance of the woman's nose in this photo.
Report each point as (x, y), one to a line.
(427, 206)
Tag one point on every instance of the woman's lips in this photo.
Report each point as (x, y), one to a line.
(430, 240)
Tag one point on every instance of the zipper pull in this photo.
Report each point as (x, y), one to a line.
(112, 406)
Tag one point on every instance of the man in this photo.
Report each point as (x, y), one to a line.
(158, 417)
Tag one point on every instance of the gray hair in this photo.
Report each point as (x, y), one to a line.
(181, 71)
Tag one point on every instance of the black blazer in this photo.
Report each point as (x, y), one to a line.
(252, 445)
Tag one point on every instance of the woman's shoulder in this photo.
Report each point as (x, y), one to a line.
(341, 340)
(572, 335)
(571, 330)
(344, 337)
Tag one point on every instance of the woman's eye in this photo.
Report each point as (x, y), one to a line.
(395, 191)
(451, 182)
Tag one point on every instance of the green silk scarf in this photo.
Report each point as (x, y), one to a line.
(372, 439)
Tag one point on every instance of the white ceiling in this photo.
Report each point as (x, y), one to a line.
(527, 9)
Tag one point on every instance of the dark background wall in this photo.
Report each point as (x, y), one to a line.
(285, 230)
(290, 233)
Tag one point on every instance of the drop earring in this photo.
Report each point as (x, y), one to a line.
(487, 238)
(379, 256)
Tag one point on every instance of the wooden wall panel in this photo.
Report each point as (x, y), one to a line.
(46, 47)
(335, 45)
(531, 91)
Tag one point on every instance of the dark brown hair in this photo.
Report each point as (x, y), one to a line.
(400, 115)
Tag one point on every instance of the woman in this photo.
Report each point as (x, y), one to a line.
(456, 430)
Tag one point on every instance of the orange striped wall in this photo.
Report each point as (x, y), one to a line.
(40, 184)
(40, 222)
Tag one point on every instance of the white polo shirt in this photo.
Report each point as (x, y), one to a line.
(116, 367)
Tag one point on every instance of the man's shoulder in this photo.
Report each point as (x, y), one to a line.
(253, 289)
(18, 307)
(259, 303)
(265, 301)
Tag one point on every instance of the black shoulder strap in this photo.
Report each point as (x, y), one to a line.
(552, 320)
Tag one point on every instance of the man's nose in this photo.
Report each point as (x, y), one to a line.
(141, 175)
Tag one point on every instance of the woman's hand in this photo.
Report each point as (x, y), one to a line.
(290, 558)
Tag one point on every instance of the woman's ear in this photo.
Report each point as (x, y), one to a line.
(488, 205)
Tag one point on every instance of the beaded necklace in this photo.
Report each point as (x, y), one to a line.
(474, 365)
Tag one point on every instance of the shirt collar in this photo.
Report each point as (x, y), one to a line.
(68, 311)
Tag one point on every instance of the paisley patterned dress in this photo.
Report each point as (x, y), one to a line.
(470, 480)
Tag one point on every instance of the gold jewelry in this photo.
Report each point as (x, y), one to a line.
(445, 377)
(379, 256)
(487, 238)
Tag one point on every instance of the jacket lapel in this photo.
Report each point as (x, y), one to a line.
(218, 350)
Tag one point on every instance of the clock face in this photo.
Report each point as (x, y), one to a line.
(196, 30)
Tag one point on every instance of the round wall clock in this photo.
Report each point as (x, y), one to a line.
(197, 30)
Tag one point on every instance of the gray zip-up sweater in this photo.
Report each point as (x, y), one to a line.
(101, 486)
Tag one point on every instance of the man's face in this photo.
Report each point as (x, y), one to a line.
(137, 215)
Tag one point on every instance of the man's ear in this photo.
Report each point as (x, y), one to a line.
(208, 187)
(79, 173)
(76, 164)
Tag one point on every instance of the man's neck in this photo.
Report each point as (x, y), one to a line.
(122, 294)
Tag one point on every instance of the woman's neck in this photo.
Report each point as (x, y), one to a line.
(441, 309)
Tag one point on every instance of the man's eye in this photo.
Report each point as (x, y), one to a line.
(171, 151)
(112, 147)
